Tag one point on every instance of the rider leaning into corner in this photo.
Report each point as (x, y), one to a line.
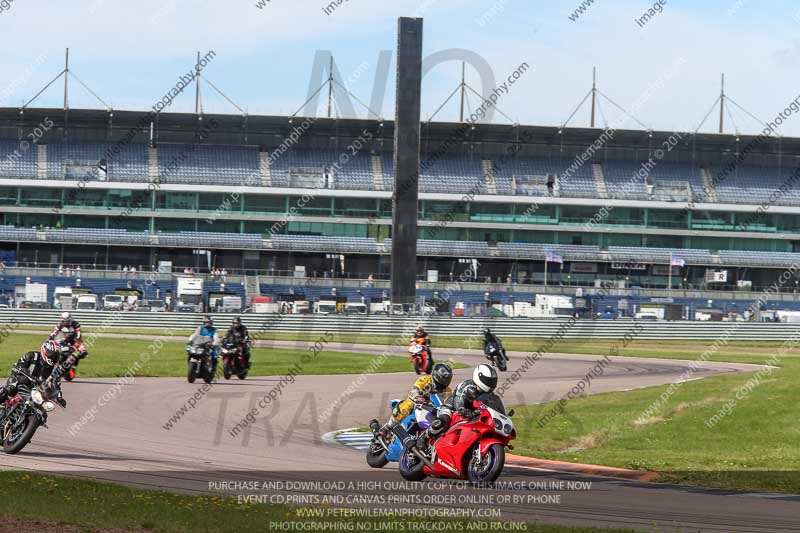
(40, 366)
(208, 330)
(70, 329)
(425, 386)
(480, 387)
(238, 332)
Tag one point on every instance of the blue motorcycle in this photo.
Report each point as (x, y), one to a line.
(382, 450)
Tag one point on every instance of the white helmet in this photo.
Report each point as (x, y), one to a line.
(66, 315)
(485, 378)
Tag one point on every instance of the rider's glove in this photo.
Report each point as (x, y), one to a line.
(83, 354)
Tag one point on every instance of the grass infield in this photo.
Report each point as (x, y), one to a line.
(113, 357)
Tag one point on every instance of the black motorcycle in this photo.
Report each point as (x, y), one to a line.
(497, 355)
(21, 415)
(201, 360)
(234, 360)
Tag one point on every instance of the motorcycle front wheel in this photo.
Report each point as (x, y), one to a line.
(376, 455)
(192, 374)
(417, 366)
(500, 363)
(19, 437)
(226, 370)
(411, 468)
(489, 467)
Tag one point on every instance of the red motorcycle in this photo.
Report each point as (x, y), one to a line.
(420, 357)
(473, 448)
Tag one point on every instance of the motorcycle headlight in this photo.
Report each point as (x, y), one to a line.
(498, 425)
(48, 406)
(37, 397)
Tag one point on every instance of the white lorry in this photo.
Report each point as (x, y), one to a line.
(62, 298)
(113, 302)
(325, 307)
(86, 302)
(189, 294)
(552, 306)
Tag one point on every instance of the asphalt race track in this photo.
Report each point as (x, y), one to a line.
(122, 433)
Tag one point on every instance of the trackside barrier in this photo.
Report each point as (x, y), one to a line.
(383, 325)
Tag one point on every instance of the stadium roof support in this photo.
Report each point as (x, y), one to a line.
(66, 73)
(593, 92)
(198, 103)
(463, 87)
(329, 83)
(721, 100)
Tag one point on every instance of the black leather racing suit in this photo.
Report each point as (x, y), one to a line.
(34, 365)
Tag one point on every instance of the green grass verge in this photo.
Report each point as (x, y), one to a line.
(113, 357)
(754, 446)
(62, 501)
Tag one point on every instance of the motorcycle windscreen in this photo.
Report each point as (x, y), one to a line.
(424, 418)
(492, 400)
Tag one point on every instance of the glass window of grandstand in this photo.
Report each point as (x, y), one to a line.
(310, 206)
(38, 220)
(85, 198)
(262, 203)
(535, 214)
(667, 218)
(355, 207)
(385, 208)
(8, 195)
(128, 199)
(183, 201)
(491, 212)
(175, 224)
(40, 197)
(621, 216)
(328, 229)
(450, 211)
(81, 221)
(219, 225)
(712, 220)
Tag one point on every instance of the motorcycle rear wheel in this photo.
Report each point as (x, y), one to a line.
(411, 472)
(31, 424)
(491, 467)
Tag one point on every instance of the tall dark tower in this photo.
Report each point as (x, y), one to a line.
(406, 160)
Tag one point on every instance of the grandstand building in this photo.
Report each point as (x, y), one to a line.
(273, 194)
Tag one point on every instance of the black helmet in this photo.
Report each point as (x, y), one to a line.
(442, 374)
(487, 333)
(237, 321)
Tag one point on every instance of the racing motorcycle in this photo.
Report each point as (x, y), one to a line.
(383, 450)
(201, 362)
(233, 358)
(496, 354)
(473, 448)
(22, 414)
(420, 357)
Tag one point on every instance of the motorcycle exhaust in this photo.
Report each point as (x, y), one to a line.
(421, 456)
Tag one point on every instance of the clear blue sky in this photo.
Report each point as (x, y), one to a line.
(131, 53)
